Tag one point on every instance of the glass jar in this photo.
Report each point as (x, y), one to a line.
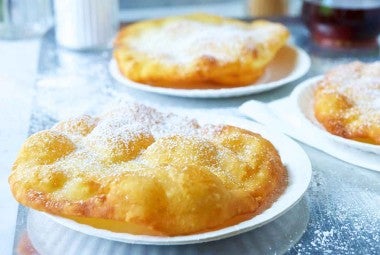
(86, 24)
(343, 23)
(24, 18)
(261, 8)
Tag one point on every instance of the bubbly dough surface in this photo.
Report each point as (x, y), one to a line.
(141, 171)
(197, 51)
(347, 101)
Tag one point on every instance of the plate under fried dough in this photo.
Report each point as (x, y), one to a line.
(347, 102)
(136, 170)
(198, 51)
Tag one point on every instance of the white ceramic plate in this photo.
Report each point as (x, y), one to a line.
(289, 64)
(303, 99)
(299, 175)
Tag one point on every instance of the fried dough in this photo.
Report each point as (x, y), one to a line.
(140, 171)
(197, 51)
(347, 102)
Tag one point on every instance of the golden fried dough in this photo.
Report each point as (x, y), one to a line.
(197, 51)
(140, 171)
(347, 102)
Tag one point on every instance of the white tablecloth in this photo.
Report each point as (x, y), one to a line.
(18, 64)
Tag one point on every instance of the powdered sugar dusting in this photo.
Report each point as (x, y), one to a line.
(122, 130)
(159, 124)
(185, 41)
(360, 84)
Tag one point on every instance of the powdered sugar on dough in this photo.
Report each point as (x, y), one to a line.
(360, 84)
(186, 41)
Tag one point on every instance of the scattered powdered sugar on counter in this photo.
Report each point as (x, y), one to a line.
(339, 224)
(77, 86)
(323, 238)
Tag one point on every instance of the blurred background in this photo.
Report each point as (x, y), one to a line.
(234, 8)
(21, 19)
